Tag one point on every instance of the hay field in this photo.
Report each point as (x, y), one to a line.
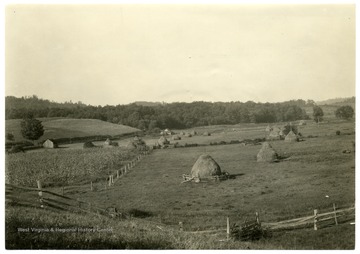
(314, 169)
(71, 128)
(315, 174)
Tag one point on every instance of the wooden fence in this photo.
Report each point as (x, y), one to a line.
(103, 182)
(40, 198)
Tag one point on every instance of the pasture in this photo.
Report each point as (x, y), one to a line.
(314, 174)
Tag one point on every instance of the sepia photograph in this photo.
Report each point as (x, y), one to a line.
(179, 126)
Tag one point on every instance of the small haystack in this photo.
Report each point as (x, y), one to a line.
(163, 141)
(268, 128)
(182, 133)
(107, 142)
(176, 137)
(291, 137)
(206, 133)
(49, 143)
(136, 143)
(193, 133)
(302, 122)
(274, 135)
(267, 153)
(205, 167)
(188, 135)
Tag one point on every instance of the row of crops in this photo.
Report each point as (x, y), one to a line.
(61, 167)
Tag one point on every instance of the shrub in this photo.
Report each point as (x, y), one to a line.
(16, 149)
(337, 132)
(88, 144)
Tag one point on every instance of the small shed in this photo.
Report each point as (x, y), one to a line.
(50, 143)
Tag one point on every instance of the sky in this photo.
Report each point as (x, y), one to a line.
(118, 54)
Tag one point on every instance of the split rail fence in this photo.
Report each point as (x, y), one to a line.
(45, 198)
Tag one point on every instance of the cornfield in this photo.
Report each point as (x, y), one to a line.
(64, 166)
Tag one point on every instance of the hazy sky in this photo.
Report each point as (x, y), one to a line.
(117, 54)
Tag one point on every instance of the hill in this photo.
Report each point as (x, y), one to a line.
(59, 128)
(147, 103)
(338, 101)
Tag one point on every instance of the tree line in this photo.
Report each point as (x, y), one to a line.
(166, 115)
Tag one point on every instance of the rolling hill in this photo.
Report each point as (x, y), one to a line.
(56, 128)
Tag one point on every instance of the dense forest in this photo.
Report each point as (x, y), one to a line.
(165, 115)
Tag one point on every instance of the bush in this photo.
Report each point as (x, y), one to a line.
(338, 133)
(16, 149)
(88, 144)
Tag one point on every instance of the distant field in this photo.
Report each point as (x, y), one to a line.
(70, 128)
(228, 133)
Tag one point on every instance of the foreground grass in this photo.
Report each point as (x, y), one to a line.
(141, 234)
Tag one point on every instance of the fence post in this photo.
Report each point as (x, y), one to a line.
(257, 218)
(117, 173)
(109, 180)
(112, 179)
(315, 219)
(334, 206)
(181, 226)
(40, 192)
(227, 228)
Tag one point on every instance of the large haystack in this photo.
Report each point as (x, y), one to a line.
(205, 167)
(291, 137)
(267, 153)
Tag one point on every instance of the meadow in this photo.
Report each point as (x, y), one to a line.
(57, 128)
(314, 174)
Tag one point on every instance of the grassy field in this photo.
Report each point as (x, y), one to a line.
(315, 174)
(70, 128)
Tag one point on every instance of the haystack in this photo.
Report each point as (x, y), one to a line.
(188, 135)
(267, 153)
(291, 137)
(107, 142)
(163, 141)
(274, 135)
(205, 167)
(268, 128)
(50, 143)
(302, 122)
(193, 133)
(131, 145)
(206, 133)
(176, 137)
